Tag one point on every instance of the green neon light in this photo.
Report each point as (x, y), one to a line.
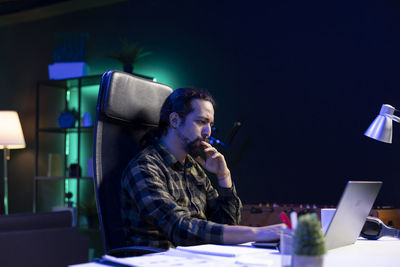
(68, 95)
(67, 144)
(66, 182)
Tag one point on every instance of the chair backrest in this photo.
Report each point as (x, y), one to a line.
(127, 107)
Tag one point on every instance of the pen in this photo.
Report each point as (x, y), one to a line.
(293, 219)
(285, 220)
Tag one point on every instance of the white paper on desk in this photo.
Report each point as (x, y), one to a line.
(89, 264)
(249, 260)
(221, 250)
(172, 258)
(158, 260)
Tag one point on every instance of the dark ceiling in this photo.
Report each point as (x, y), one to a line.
(19, 11)
(14, 6)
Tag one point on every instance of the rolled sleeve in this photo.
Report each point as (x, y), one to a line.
(227, 192)
(226, 207)
(191, 231)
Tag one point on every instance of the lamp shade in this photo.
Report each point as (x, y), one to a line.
(381, 127)
(11, 135)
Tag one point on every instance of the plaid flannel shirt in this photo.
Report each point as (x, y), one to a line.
(166, 204)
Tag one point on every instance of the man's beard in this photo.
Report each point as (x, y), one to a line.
(193, 148)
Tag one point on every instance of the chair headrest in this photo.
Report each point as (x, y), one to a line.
(130, 98)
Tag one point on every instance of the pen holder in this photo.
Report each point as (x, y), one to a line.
(286, 247)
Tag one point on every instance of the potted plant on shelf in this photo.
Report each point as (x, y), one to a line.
(308, 242)
(70, 55)
(129, 54)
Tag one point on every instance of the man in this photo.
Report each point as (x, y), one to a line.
(167, 199)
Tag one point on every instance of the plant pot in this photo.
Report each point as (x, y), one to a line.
(308, 261)
(128, 68)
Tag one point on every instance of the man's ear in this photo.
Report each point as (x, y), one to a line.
(174, 120)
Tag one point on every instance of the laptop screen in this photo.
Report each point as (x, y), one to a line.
(353, 208)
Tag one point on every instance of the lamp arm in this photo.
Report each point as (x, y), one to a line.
(393, 117)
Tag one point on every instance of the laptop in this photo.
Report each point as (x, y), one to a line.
(351, 212)
(354, 206)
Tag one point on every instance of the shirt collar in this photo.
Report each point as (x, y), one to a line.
(170, 159)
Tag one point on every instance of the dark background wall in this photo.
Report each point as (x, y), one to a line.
(305, 77)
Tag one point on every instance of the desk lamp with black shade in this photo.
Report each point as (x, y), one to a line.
(381, 129)
(11, 137)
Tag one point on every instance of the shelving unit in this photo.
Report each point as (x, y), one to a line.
(73, 145)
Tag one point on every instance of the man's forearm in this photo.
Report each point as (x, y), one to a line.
(225, 180)
(239, 234)
(243, 234)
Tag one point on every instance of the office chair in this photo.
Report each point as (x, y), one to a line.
(127, 107)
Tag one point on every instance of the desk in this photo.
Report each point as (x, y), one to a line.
(383, 253)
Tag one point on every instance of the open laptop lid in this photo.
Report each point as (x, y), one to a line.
(354, 206)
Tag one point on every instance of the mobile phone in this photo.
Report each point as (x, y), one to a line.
(264, 244)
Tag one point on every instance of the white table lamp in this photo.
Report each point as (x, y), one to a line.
(381, 127)
(11, 137)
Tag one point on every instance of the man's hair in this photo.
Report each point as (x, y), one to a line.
(179, 101)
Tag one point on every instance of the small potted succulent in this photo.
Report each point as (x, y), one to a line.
(308, 242)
